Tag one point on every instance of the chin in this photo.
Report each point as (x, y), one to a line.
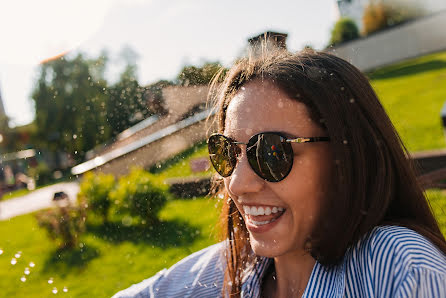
(269, 249)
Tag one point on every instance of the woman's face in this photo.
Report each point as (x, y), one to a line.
(259, 107)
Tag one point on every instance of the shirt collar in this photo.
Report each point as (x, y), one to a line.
(323, 282)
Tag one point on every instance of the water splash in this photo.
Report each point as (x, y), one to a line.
(1, 251)
(65, 289)
(27, 271)
(13, 261)
(54, 291)
(31, 264)
(23, 279)
(50, 281)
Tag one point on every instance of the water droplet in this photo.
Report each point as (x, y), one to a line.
(352, 100)
(50, 281)
(23, 279)
(221, 196)
(65, 289)
(18, 255)
(342, 88)
(31, 264)
(13, 261)
(1, 251)
(243, 88)
(345, 142)
(27, 271)
(54, 290)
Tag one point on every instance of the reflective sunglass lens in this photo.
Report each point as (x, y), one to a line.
(222, 154)
(270, 156)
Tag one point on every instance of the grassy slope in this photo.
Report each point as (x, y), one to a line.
(413, 93)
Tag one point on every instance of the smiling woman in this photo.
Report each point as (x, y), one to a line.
(320, 199)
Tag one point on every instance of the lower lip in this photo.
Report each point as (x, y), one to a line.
(263, 228)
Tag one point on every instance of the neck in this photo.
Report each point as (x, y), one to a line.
(292, 272)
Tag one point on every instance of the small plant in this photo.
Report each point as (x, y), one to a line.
(136, 194)
(95, 190)
(344, 30)
(65, 223)
(41, 174)
(378, 15)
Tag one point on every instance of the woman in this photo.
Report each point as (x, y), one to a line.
(320, 198)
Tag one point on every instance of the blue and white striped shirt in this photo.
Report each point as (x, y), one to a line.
(390, 261)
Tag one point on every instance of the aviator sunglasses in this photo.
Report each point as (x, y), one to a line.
(269, 154)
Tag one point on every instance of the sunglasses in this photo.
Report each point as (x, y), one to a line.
(269, 154)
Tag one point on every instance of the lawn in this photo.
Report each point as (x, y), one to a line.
(413, 93)
(111, 258)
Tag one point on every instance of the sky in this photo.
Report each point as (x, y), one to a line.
(166, 35)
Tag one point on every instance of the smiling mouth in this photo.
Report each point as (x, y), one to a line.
(261, 215)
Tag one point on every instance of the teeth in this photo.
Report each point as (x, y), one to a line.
(261, 223)
(267, 211)
(256, 211)
(260, 211)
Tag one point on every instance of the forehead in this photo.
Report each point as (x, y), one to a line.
(262, 106)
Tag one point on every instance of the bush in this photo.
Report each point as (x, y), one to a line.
(137, 195)
(95, 190)
(344, 30)
(65, 223)
(379, 15)
(41, 174)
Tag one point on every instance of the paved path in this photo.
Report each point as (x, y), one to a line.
(36, 200)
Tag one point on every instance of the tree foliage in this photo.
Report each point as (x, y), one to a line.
(199, 75)
(379, 15)
(344, 30)
(70, 103)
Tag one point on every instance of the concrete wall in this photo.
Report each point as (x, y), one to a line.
(422, 36)
(180, 99)
(162, 149)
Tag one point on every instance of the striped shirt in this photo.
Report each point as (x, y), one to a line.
(390, 261)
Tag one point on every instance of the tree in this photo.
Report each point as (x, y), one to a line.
(202, 75)
(379, 15)
(344, 30)
(70, 103)
(126, 104)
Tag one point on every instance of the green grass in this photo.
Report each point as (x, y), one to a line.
(112, 257)
(413, 93)
(437, 200)
(14, 194)
(179, 166)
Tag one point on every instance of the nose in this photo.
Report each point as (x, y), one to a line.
(243, 179)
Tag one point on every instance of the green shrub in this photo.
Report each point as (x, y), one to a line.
(41, 174)
(64, 224)
(136, 194)
(344, 30)
(378, 15)
(95, 190)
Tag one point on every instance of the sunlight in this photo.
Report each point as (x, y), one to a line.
(36, 31)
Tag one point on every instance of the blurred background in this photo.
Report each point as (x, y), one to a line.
(103, 106)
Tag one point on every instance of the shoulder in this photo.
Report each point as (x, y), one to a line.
(201, 273)
(390, 259)
(405, 247)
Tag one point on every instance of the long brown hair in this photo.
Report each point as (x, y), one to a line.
(375, 180)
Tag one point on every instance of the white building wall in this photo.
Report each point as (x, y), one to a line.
(422, 36)
(354, 9)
